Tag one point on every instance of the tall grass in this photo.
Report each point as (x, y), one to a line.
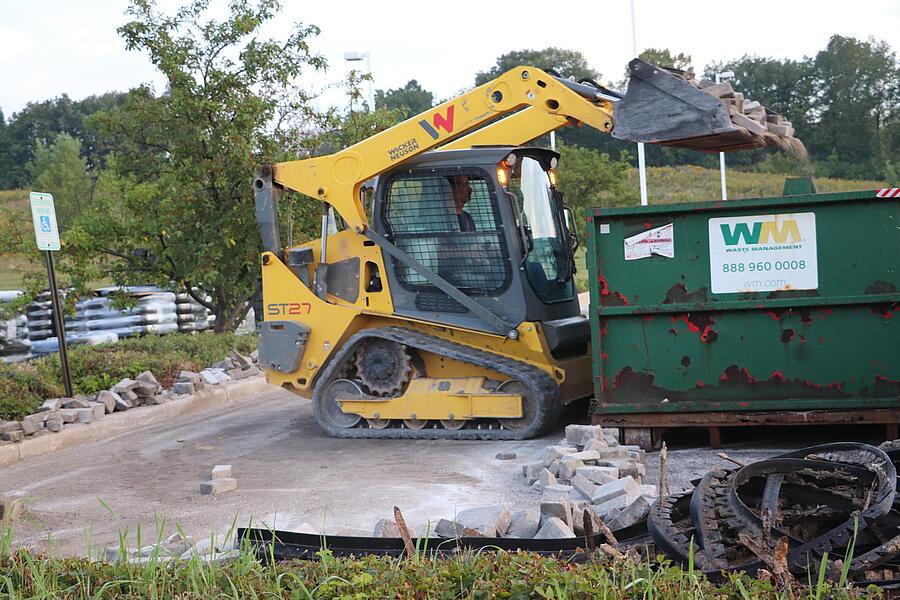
(668, 185)
(488, 574)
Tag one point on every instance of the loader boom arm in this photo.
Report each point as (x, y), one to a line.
(548, 103)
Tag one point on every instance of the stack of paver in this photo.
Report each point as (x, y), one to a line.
(587, 471)
(590, 470)
(232, 368)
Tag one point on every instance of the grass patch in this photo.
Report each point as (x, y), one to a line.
(13, 270)
(467, 575)
(24, 386)
(671, 185)
(14, 199)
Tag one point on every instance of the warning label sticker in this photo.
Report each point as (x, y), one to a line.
(659, 241)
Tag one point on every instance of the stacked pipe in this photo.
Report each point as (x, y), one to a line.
(14, 343)
(97, 321)
(192, 316)
(154, 312)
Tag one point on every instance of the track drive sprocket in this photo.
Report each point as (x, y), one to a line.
(383, 366)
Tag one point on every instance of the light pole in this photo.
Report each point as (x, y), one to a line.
(642, 165)
(358, 56)
(719, 78)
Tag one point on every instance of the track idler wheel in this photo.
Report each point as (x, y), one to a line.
(328, 411)
(529, 404)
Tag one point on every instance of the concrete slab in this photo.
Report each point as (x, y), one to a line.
(290, 473)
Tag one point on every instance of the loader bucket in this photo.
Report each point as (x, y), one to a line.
(662, 108)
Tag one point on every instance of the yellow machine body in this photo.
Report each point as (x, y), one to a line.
(450, 372)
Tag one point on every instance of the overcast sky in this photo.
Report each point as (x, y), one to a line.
(51, 47)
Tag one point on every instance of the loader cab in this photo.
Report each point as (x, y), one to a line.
(491, 222)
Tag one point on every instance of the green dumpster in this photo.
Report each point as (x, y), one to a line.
(770, 310)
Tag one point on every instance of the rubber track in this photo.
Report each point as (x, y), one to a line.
(539, 382)
(718, 512)
(668, 536)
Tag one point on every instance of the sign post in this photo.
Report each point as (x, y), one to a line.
(46, 233)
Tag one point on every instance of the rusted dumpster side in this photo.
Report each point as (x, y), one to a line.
(766, 310)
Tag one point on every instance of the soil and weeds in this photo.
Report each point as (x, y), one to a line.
(24, 574)
(24, 386)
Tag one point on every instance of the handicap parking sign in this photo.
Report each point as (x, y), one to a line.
(43, 214)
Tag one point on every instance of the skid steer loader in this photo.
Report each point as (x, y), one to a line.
(447, 308)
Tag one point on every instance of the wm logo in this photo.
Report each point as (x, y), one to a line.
(761, 232)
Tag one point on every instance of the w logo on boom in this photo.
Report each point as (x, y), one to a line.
(761, 232)
(439, 121)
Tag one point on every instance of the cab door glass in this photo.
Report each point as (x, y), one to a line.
(546, 263)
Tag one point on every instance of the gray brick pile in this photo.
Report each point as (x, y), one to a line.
(587, 471)
(177, 547)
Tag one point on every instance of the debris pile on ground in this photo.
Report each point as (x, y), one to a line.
(791, 515)
(176, 547)
(829, 511)
(590, 471)
(143, 390)
(587, 471)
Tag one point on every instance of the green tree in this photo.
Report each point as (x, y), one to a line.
(411, 99)
(40, 122)
(176, 205)
(568, 63)
(60, 170)
(589, 178)
(663, 57)
(859, 87)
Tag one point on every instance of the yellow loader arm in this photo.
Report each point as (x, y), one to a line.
(336, 178)
(591, 106)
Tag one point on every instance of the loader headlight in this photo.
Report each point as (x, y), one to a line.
(503, 176)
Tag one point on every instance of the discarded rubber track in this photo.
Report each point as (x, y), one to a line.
(829, 502)
(287, 545)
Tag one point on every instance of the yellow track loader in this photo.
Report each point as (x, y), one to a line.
(447, 308)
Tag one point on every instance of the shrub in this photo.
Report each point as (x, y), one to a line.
(24, 386)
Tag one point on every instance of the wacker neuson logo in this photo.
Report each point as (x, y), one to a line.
(763, 253)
